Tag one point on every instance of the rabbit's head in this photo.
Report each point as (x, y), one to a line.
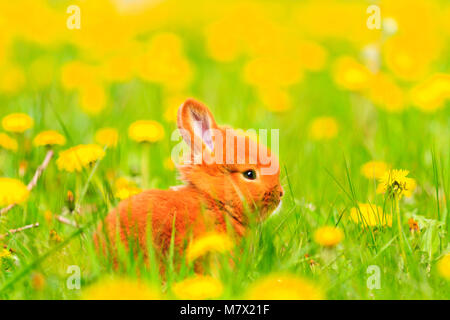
(240, 174)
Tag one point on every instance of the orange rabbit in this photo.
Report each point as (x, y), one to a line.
(227, 183)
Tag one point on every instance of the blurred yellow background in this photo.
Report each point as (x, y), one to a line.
(275, 43)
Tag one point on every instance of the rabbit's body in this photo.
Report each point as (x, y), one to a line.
(231, 185)
(191, 212)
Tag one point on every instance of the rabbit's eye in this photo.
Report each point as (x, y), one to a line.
(250, 174)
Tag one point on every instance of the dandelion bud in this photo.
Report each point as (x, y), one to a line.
(23, 168)
(413, 226)
(38, 281)
(70, 201)
(48, 215)
(54, 236)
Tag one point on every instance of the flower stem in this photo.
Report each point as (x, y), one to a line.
(399, 226)
(145, 165)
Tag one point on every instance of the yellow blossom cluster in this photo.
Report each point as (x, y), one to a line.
(284, 287)
(79, 157)
(371, 215)
(328, 236)
(12, 191)
(49, 138)
(209, 242)
(121, 289)
(124, 188)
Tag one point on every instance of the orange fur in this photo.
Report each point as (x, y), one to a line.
(214, 195)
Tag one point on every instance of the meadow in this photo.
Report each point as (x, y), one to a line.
(355, 106)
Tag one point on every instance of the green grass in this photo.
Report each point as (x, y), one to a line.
(322, 181)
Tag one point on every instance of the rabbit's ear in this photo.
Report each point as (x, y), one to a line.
(196, 124)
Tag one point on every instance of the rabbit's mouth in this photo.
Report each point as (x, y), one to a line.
(271, 202)
(277, 209)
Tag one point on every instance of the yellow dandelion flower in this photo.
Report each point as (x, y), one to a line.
(42, 72)
(395, 182)
(407, 58)
(169, 164)
(146, 131)
(222, 45)
(121, 66)
(120, 289)
(49, 138)
(275, 99)
(284, 287)
(172, 103)
(273, 72)
(209, 242)
(107, 136)
(75, 74)
(312, 55)
(17, 122)
(92, 98)
(386, 94)
(164, 62)
(431, 94)
(370, 215)
(126, 193)
(350, 74)
(198, 288)
(122, 183)
(444, 266)
(328, 236)
(5, 253)
(125, 189)
(12, 79)
(323, 128)
(12, 191)
(79, 157)
(8, 143)
(6, 258)
(374, 169)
